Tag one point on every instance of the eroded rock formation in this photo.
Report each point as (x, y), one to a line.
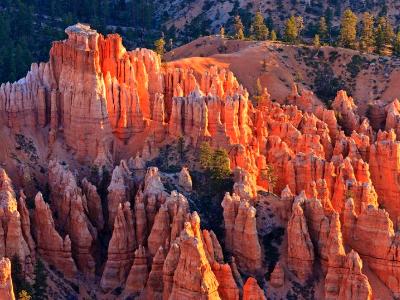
(241, 232)
(98, 106)
(6, 284)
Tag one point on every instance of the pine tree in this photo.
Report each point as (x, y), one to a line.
(258, 92)
(348, 30)
(383, 35)
(24, 295)
(170, 44)
(205, 155)
(18, 278)
(322, 28)
(291, 30)
(159, 46)
(316, 41)
(258, 87)
(222, 31)
(328, 19)
(220, 165)
(239, 28)
(396, 45)
(273, 36)
(367, 32)
(260, 30)
(268, 174)
(40, 284)
(181, 147)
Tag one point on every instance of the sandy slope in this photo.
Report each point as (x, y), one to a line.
(279, 65)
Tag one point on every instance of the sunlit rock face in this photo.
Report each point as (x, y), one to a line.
(106, 215)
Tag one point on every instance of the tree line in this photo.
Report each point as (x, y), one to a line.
(367, 34)
(28, 27)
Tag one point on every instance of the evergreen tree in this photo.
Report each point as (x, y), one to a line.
(170, 45)
(18, 277)
(273, 36)
(220, 165)
(260, 30)
(396, 45)
(291, 30)
(159, 46)
(367, 32)
(348, 30)
(383, 35)
(328, 19)
(258, 90)
(322, 28)
(181, 147)
(316, 41)
(24, 295)
(268, 174)
(40, 284)
(239, 28)
(205, 155)
(222, 31)
(258, 87)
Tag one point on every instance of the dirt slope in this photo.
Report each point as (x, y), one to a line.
(366, 77)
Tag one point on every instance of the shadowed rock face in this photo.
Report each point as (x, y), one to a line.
(94, 103)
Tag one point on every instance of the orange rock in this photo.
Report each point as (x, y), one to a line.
(160, 232)
(374, 228)
(252, 291)
(154, 286)
(227, 288)
(94, 101)
(384, 155)
(50, 244)
(212, 247)
(95, 210)
(393, 116)
(15, 237)
(70, 205)
(241, 233)
(278, 276)
(26, 223)
(347, 109)
(120, 249)
(170, 264)
(202, 284)
(300, 248)
(6, 285)
(138, 274)
(117, 192)
(355, 284)
(185, 181)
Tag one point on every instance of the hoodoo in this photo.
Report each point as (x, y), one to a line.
(150, 179)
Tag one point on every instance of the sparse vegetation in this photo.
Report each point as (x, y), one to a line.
(326, 84)
(159, 46)
(40, 283)
(269, 175)
(21, 285)
(357, 64)
(271, 242)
